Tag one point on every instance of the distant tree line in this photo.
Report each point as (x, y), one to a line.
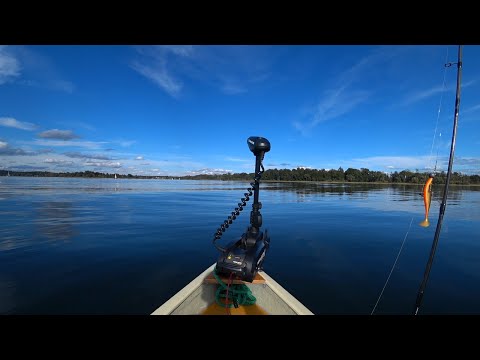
(85, 174)
(349, 175)
(298, 174)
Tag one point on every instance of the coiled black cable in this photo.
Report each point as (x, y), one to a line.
(236, 212)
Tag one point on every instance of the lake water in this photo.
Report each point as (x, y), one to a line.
(106, 246)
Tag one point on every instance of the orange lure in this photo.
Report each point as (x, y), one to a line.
(427, 199)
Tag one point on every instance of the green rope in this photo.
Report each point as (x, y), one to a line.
(237, 293)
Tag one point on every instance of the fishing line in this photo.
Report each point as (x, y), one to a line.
(438, 113)
(393, 267)
(443, 206)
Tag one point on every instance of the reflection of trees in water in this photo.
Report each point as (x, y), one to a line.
(302, 190)
(454, 192)
(54, 220)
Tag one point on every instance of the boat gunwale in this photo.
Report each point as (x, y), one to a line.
(176, 300)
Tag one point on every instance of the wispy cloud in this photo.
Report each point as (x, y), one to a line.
(14, 123)
(471, 109)
(422, 95)
(125, 143)
(421, 163)
(154, 65)
(45, 151)
(78, 155)
(62, 85)
(58, 134)
(84, 160)
(234, 159)
(342, 98)
(5, 149)
(180, 50)
(139, 158)
(394, 162)
(101, 164)
(57, 161)
(231, 69)
(232, 89)
(9, 66)
(468, 161)
(208, 171)
(71, 143)
(27, 67)
(335, 104)
(78, 124)
(28, 168)
(159, 74)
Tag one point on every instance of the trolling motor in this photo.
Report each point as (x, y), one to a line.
(244, 258)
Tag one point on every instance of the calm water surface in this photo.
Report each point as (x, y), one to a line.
(105, 246)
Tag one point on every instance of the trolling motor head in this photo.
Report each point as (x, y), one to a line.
(258, 144)
(244, 257)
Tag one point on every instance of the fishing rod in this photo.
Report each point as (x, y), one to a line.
(443, 206)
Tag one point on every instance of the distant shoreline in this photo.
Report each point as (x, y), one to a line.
(121, 177)
(355, 182)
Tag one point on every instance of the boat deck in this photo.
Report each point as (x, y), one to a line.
(198, 298)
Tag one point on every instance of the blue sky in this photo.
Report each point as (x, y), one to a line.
(180, 110)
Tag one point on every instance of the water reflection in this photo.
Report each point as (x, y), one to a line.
(106, 237)
(462, 202)
(454, 192)
(7, 296)
(55, 220)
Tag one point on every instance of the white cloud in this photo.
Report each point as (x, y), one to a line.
(469, 165)
(427, 93)
(335, 104)
(14, 123)
(39, 71)
(394, 162)
(103, 164)
(9, 66)
(160, 76)
(58, 134)
(57, 161)
(208, 171)
(77, 155)
(3, 144)
(71, 143)
(234, 159)
(231, 69)
(181, 50)
(421, 95)
(125, 143)
(9, 151)
(139, 158)
(341, 98)
(80, 124)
